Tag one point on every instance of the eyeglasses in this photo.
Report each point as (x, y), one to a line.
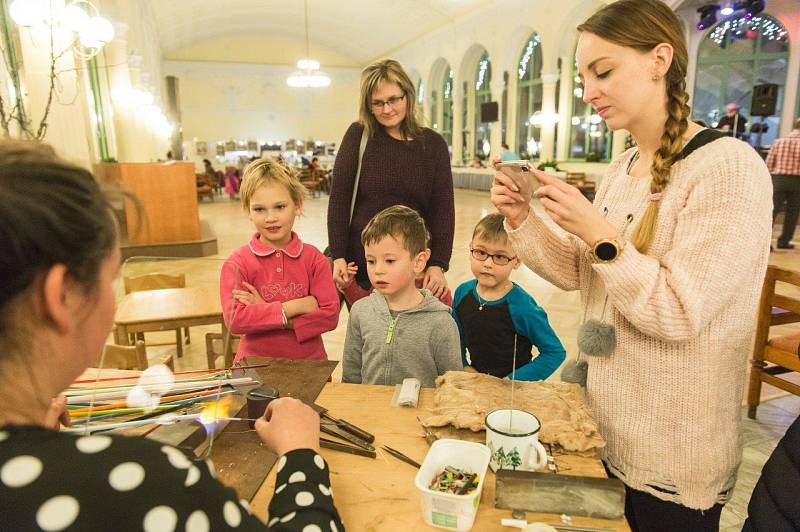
(378, 105)
(500, 260)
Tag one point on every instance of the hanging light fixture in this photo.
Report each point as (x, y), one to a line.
(309, 74)
(90, 32)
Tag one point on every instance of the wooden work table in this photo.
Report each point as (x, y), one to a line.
(379, 494)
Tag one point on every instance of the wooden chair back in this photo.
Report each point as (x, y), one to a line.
(154, 281)
(769, 360)
(125, 356)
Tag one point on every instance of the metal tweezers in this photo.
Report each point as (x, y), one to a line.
(400, 456)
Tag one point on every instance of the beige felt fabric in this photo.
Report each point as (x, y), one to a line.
(463, 399)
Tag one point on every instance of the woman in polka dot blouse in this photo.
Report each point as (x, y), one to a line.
(59, 255)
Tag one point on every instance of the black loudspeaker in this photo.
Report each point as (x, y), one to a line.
(489, 112)
(765, 99)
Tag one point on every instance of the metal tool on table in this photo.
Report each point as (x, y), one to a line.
(358, 441)
(349, 427)
(400, 456)
(430, 437)
(602, 498)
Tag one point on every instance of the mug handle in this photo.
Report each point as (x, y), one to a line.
(541, 455)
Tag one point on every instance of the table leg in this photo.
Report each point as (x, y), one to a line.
(121, 335)
(229, 352)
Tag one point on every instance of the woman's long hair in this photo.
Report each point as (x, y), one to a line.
(643, 25)
(393, 72)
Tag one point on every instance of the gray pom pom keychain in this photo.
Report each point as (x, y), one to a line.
(575, 371)
(596, 338)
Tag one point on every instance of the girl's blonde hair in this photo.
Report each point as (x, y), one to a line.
(393, 72)
(268, 170)
(643, 25)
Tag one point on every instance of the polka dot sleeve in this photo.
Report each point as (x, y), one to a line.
(55, 481)
(303, 498)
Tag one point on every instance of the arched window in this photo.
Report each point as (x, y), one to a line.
(447, 105)
(529, 98)
(504, 110)
(735, 56)
(421, 99)
(590, 138)
(483, 94)
(465, 148)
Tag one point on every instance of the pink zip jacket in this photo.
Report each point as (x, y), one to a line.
(296, 271)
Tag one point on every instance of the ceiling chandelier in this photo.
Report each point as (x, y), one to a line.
(80, 19)
(309, 74)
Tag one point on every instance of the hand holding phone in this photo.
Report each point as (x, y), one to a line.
(521, 173)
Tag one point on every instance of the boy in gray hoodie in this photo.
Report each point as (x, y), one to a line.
(399, 331)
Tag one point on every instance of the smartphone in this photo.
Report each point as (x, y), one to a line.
(520, 172)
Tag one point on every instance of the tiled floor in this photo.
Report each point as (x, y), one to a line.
(233, 230)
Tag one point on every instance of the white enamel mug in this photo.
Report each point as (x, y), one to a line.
(512, 436)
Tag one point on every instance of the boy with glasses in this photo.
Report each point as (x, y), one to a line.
(493, 314)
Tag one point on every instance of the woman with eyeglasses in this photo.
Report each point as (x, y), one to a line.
(59, 256)
(401, 163)
(669, 262)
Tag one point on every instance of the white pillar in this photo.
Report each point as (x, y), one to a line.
(458, 148)
(564, 110)
(548, 109)
(512, 134)
(496, 131)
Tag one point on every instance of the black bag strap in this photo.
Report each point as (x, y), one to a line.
(706, 136)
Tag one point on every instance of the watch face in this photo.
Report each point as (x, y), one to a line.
(605, 251)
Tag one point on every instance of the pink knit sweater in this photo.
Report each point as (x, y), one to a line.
(668, 399)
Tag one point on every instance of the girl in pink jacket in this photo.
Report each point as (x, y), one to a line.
(276, 291)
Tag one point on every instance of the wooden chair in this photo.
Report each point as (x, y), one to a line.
(133, 357)
(774, 356)
(214, 346)
(310, 180)
(157, 281)
(578, 180)
(205, 186)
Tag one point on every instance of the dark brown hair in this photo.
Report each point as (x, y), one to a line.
(643, 25)
(399, 222)
(51, 212)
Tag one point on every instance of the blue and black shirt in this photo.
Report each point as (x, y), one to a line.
(488, 334)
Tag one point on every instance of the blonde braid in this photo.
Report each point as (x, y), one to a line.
(671, 144)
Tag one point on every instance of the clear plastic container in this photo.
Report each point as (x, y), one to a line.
(445, 510)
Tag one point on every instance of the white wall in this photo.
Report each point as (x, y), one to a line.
(221, 101)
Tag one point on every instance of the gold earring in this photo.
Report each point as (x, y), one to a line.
(656, 77)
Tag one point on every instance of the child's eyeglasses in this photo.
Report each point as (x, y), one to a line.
(500, 260)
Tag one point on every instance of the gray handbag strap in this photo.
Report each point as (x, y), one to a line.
(361, 148)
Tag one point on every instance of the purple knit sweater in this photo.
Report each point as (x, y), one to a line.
(393, 172)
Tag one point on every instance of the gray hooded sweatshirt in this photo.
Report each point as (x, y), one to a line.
(420, 342)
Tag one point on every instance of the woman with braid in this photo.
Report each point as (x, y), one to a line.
(671, 256)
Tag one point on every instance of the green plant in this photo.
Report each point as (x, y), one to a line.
(548, 164)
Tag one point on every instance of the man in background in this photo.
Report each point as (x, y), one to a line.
(783, 163)
(734, 122)
(506, 154)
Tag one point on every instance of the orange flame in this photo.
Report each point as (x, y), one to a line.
(218, 409)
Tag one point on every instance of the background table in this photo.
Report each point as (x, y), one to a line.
(380, 494)
(167, 309)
